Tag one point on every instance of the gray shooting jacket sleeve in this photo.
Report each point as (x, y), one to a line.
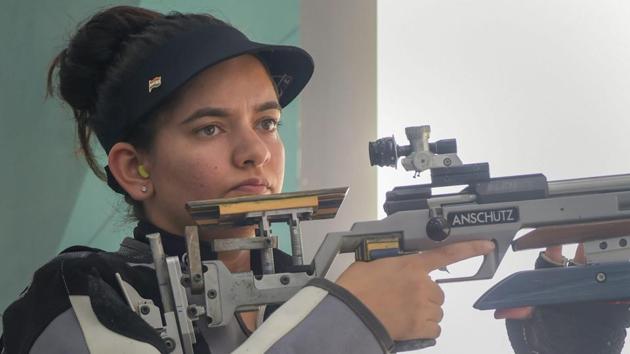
(321, 318)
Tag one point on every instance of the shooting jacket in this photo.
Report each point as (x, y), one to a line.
(74, 305)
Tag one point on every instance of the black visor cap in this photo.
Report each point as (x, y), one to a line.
(181, 58)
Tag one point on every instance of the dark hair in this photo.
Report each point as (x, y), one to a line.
(97, 59)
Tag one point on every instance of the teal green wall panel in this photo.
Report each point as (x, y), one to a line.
(98, 218)
(49, 198)
(41, 175)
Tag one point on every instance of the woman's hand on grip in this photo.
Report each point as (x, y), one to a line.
(400, 292)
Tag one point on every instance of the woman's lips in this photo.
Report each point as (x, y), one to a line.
(251, 189)
(256, 185)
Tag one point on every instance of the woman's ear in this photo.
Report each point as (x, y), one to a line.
(125, 163)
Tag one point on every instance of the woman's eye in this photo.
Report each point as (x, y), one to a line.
(269, 124)
(209, 130)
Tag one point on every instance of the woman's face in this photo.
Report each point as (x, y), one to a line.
(219, 139)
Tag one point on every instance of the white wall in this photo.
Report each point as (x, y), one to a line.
(528, 86)
(338, 113)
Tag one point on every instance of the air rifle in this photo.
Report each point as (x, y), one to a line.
(595, 211)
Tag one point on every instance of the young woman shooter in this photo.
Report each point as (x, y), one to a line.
(187, 108)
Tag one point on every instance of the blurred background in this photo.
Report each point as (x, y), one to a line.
(528, 86)
(540, 86)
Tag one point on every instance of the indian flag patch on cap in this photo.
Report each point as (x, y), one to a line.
(155, 83)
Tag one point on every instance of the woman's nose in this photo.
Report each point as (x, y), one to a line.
(250, 149)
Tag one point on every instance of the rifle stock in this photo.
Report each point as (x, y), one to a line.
(573, 233)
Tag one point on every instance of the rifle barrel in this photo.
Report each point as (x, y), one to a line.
(602, 184)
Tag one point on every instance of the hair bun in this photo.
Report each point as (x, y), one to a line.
(95, 47)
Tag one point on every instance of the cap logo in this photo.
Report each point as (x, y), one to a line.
(282, 82)
(155, 83)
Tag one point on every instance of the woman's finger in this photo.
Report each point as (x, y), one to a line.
(555, 253)
(443, 256)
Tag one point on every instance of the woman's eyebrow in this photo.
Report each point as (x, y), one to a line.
(206, 112)
(224, 113)
(269, 105)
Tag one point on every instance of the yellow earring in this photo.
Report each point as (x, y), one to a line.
(143, 171)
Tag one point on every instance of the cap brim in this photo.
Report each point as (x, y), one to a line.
(290, 68)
